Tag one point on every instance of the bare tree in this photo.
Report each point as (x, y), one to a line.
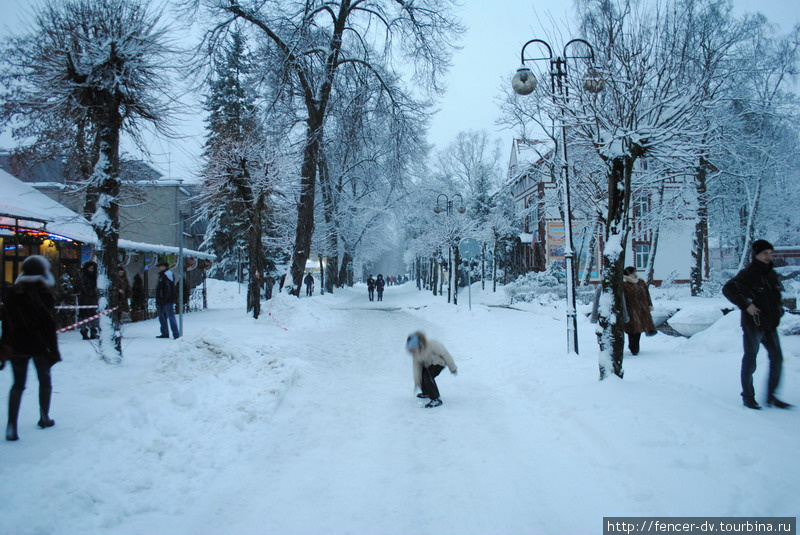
(307, 44)
(97, 66)
(647, 109)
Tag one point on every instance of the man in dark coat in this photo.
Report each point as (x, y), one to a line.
(165, 301)
(756, 290)
(88, 297)
(379, 285)
(309, 282)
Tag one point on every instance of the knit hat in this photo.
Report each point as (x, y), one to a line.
(412, 342)
(36, 268)
(761, 245)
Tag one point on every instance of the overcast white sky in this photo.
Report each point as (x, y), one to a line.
(497, 29)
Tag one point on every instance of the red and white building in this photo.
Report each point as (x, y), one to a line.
(534, 179)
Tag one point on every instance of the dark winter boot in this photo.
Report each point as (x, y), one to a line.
(424, 396)
(95, 333)
(85, 334)
(751, 404)
(44, 409)
(433, 403)
(14, 400)
(775, 402)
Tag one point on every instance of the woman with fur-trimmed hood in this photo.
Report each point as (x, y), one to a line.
(429, 358)
(639, 305)
(29, 329)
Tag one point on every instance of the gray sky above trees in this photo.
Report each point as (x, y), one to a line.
(496, 31)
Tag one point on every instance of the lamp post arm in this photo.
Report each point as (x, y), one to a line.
(583, 41)
(546, 45)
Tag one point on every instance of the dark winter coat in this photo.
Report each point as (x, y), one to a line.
(757, 284)
(124, 294)
(379, 284)
(165, 289)
(309, 280)
(638, 303)
(29, 321)
(370, 284)
(87, 290)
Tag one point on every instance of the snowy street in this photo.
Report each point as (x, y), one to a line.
(305, 422)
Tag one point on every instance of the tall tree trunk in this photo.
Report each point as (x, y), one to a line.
(612, 338)
(331, 274)
(700, 229)
(651, 260)
(328, 279)
(483, 266)
(321, 276)
(592, 253)
(748, 231)
(305, 207)
(105, 221)
(346, 270)
(494, 266)
(256, 256)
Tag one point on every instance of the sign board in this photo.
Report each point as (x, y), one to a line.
(469, 248)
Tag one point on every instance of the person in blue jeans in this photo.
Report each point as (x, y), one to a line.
(165, 301)
(756, 290)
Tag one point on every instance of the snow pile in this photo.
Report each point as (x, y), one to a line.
(225, 294)
(696, 315)
(160, 439)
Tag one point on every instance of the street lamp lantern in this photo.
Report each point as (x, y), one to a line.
(524, 83)
(594, 83)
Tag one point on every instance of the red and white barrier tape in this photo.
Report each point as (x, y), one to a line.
(74, 307)
(87, 320)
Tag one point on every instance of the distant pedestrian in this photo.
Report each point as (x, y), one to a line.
(756, 290)
(429, 358)
(123, 292)
(87, 299)
(309, 282)
(639, 306)
(269, 283)
(138, 299)
(379, 285)
(371, 288)
(166, 296)
(29, 328)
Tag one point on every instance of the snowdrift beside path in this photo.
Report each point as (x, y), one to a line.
(304, 422)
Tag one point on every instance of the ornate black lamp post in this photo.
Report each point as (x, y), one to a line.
(447, 207)
(524, 83)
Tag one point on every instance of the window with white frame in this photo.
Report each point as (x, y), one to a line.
(641, 204)
(642, 253)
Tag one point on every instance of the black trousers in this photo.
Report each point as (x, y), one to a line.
(429, 374)
(754, 337)
(20, 369)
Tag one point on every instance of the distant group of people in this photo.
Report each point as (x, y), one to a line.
(88, 296)
(374, 285)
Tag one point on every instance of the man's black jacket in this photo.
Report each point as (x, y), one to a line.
(758, 284)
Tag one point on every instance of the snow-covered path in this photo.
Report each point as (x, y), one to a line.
(304, 422)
